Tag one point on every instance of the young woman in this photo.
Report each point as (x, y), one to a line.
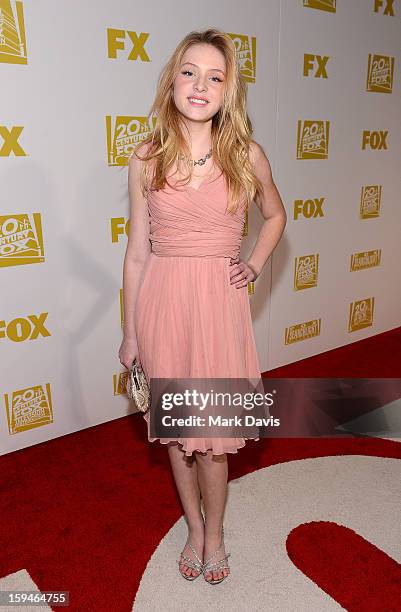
(186, 304)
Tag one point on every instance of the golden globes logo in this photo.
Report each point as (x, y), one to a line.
(380, 73)
(29, 408)
(308, 208)
(302, 331)
(119, 227)
(246, 55)
(21, 239)
(10, 141)
(386, 4)
(12, 33)
(123, 134)
(370, 201)
(321, 5)
(361, 314)
(25, 328)
(306, 271)
(374, 140)
(312, 139)
(116, 41)
(317, 64)
(366, 259)
(120, 383)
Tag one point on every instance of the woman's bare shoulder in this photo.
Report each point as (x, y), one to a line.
(139, 151)
(256, 152)
(261, 166)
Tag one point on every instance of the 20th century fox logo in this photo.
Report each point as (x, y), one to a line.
(246, 55)
(21, 239)
(370, 201)
(306, 271)
(380, 73)
(313, 139)
(29, 408)
(123, 134)
(361, 314)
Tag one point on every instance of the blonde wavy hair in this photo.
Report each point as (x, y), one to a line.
(231, 130)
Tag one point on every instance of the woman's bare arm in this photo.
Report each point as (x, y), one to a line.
(138, 247)
(272, 209)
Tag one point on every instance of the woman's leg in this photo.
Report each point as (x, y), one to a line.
(185, 474)
(212, 478)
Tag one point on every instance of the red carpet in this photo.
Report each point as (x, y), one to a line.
(82, 513)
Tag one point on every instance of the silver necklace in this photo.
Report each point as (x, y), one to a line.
(202, 160)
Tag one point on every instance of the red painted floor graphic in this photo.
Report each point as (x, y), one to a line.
(354, 572)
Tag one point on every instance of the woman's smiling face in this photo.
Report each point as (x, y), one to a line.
(201, 76)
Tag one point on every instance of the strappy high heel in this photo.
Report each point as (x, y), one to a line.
(218, 565)
(196, 565)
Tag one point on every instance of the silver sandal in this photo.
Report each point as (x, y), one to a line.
(218, 565)
(196, 565)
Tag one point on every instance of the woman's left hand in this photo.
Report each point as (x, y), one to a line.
(241, 273)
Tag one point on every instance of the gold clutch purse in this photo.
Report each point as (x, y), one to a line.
(138, 388)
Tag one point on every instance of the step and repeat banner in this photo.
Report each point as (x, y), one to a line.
(78, 80)
(335, 273)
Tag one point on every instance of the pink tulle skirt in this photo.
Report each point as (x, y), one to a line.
(192, 323)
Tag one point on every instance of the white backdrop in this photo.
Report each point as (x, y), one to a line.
(323, 80)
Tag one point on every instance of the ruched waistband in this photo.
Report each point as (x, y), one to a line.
(194, 250)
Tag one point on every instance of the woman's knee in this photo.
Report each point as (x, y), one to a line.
(208, 456)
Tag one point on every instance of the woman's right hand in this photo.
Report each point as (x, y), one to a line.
(127, 353)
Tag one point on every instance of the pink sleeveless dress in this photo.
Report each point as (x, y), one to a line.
(190, 321)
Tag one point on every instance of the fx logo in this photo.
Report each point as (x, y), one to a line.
(374, 140)
(310, 64)
(118, 227)
(308, 208)
(11, 144)
(28, 328)
(388, 9)
(116, 41)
